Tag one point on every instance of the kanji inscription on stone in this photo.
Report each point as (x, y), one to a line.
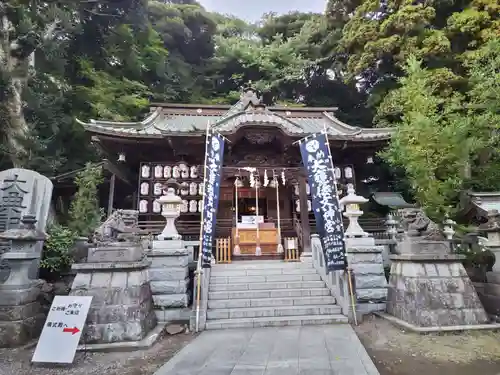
(11, 204)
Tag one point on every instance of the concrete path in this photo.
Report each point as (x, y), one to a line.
(304, 350)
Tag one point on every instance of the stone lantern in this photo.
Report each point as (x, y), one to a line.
(170, 209)
(492, 230)
(351, 203)
(19, 284)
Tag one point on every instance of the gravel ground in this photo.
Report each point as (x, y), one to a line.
(396, 352)
(146, 362)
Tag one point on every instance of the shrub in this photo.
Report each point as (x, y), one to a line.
(85, 214)
(57, 248)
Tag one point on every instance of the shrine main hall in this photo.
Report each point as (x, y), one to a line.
(170, 144)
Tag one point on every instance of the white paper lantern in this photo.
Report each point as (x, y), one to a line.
(348, 172)
(145, 171)
(144, 188)
(156, 207)
(193, 188)
(193, 206)
(158, 171)
(167, 172)
(143, 206)
(184, 207)
(158, 188)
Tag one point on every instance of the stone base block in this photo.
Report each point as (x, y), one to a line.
(14, 333)
(158, 261)
(149, 340)
(169, 287)
(168, 274)
(13, 297)
(367, 266)
(21, 315)
(113, 252)
(167, 244)
(173, 315)
(130, 326)
(435, 329)
(122, 307)
(165, 301)
(431, 291)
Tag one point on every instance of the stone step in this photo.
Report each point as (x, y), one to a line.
(263, 278)
(275, 321)
(262, 272)
(256, 264)
(276, 293)
(269, 302)
(276, 311)
(265, 286)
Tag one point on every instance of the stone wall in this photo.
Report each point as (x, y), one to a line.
(429, 292)
(169, 278)
(367, 265)
(121, 307)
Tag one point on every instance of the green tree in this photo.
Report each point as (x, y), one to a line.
(380, 36)
(446, 145)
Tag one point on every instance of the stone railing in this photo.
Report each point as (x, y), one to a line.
(336, 281)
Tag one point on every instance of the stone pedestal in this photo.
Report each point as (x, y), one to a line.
(367, 266)
(489, 294)
(433, 290)
(122, 308)
(21, 317)
(169, 278)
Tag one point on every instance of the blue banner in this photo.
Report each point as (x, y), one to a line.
(213, 169)
(325, 201)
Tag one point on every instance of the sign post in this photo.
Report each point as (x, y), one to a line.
(62, 329)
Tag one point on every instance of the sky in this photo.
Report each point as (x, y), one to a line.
(252, 10)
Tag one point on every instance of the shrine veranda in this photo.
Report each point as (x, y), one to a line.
(170, 143)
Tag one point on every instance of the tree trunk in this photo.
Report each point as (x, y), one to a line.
(15, 127)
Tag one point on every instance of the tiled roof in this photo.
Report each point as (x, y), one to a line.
(177, 120)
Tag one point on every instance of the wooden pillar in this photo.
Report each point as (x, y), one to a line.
(111, 196)
(304, 218)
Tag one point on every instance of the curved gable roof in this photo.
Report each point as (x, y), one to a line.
(189, 119)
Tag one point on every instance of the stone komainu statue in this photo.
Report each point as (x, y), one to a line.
(121, 225)
(415, 223)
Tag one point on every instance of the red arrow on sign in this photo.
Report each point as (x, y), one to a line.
(73, 330)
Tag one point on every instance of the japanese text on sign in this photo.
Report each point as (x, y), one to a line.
(316, 158)
(215, 153)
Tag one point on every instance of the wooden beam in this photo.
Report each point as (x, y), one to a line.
(111, 196)
(304, 216)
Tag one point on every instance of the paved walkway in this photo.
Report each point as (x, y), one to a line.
(308, 350)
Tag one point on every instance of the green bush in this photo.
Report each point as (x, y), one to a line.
(85, 214)
(57, 248)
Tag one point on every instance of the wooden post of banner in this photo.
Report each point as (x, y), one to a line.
(351, 291)
(198, 264)
(277, 187)
(258, 250)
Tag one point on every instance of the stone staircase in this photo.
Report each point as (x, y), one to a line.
(269, 294)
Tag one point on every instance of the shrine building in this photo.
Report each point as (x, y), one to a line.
(170, 143)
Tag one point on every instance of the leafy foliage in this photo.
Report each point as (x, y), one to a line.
(56, 255)
(85, 214)
(449, 144)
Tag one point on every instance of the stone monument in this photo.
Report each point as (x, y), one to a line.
(21, 317)
(490, 291)
(428, 286)
(169, 272)
(115, 274)
(363, 258)
(24, 207)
